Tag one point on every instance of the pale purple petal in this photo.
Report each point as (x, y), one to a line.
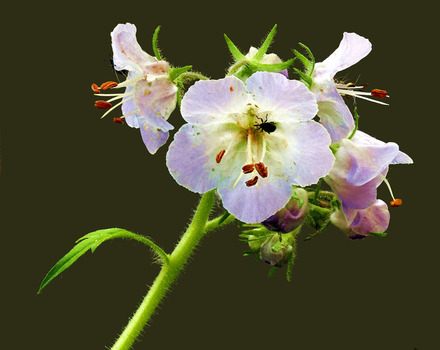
(211, 101)
(289, 100)
(256, 203)
(351, 50)
(334, 114)
(354, 197)
(191, 158)
(402, 158)
(364, 157)
(375, 218)
(153, 138)
(302, 151)
(127, 53)
(156, 100)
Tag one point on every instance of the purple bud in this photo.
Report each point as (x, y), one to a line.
(291, 216)
(358, 223)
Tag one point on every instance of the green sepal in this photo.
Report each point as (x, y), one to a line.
(251, 252)
(266, 44)
(176, 72)
(378, 234)
(92, 241)
(155, 47)
(290, 263)
(275, 67)
(304, 60)
(310, 66)
(304, 77)
(272, 271)
(356, 123)
(234, 50)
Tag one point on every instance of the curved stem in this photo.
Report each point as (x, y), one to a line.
(168, 273)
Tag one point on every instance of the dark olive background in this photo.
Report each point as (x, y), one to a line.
(65, 172)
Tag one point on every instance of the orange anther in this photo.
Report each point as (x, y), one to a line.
(118, 120)
(252, 182)
(95, 88)
(231, 89)
(108, 85)
(261, 169)
(248, 168)
(379, 93)
(103, 104)
(396, 202)
(219, 156)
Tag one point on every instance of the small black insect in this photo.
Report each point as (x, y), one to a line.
(265, 125)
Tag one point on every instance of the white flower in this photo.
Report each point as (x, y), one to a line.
(333, 112)
(252, 141)
(150, 96)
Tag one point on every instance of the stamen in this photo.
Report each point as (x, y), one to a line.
(379, 93)
(108, 85)
(261, 169)
(103, 104)
(95, 88)
(219, 156)
(396, 202)
(248, 168)
(252, 182)
(119, 120)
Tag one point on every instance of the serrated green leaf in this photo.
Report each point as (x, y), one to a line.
(266, 44)
(275, 68)
(176, 72)
(92, 241)
(378, 234)
(155, 46)
(234, 50)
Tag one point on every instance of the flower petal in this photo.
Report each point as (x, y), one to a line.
(351, 50)
(153, 138)
(191, 158)
(256, 203)
(127, 53)
(364, 157)
(334, 114)
(290, 100)
(211, 101)
(301, 151)
(156, 100)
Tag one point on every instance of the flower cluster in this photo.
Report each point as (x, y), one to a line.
(266, 143)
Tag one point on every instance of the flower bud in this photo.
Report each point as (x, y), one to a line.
(291, 216)
(274, 252)
(359, 223)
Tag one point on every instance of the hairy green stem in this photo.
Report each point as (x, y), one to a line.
(169, 272)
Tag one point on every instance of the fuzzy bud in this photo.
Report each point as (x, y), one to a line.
(274, 252)
(291, 216)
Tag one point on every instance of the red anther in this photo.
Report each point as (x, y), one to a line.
(95, 88)
(396, 202)
(248, 168)
(219, 156)
(118, 120)
(103, 104)
(108, 85)
(252, 182)
(261, 169)
(379, 93)
(231, 89)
